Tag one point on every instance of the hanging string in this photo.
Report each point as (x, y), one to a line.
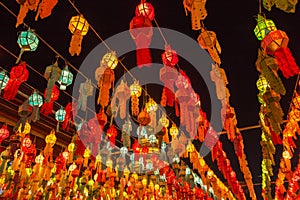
(160, 31)
(259, 7)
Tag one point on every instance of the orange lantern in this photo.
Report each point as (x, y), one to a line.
(105, 83)
(145, 9)
(135, 92)
(198, 12)
(144, 118)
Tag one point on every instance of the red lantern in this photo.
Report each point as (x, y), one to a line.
(18, 75)
(136, 147)
(112, 134)
(47, 107)
(141, 32)
(102, 118)
(4, 133)
(70, 112)
(145, 9)
(275, 44)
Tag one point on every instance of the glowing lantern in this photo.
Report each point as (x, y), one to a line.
(27, 41)
(3, 80)
(276, 44)
(174, 131)
(4, 133)
(71, 148)
(112, 134)
(26, 143)
(152, 139)
(296, 101)
(60, 116)
(151, 106)
(145, 9)
(263, 27)
(52, 74)
(262, 84)
(123, 151)
(144, 118)
(105, 80)
(190, 147)
(39, 159)
(47, 107)
(36, 101)
(110, 60)
(135, 92)
(79, 27)
(66, 78)
(198, 12)
(169, 57)
(51, 138)
(164, 121)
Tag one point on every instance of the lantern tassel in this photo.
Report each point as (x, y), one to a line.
(20, 55)
(286, 62)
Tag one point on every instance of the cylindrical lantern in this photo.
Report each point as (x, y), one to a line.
(66, 78)
(79, 27)
(145, 9)
(27, 41)
(3, 80)
(135, 92)
(110, 60)
(263, 27)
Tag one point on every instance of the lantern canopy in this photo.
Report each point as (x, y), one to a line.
(66, 78)
(3, 80)
(35, 99)
(145, 9)
(110, 60)
(263, 27)
(79, 23)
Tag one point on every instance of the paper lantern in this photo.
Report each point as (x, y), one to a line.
(263, 27)
(123, 151)
(143, 118)
(198, 12)
(4, 133)
(45, 8)
(39, 159)
(262, 84)
(126, 129)
(60, 117)
(52, 74)
(27, 41)
(169, 57)
(71, 148)
(47, 107)
(105, 82)
(79, 27)
(152, 139)
(145, 9)
(51, 138)
(3, 80)
(112, 134)
(110, 60)
(296, 101)
(168, 75)
(66, 78)
(141, 31)
(36, 101)
(151, 106)
(135, 92)
(174, 131)
(164, 121)
(276, 44)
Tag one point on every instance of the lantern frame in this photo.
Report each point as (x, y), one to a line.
(110, 60)
(145, 9)
(263, 27)
(27, 40)
(36, 99)
(78, 23)
(262, 84)
(66, 78)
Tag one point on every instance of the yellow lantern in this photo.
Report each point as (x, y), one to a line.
(190, 147)
(135, 92)
(296, 101)
(126, 173)
(151, 106)
(174, 131)
(164, 121)
(39, 159)
(286, 155)
(110, 60)
(262, 84)
(71, 148)
(51, 138)
(79, 27)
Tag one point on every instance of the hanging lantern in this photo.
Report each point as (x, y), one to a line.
(164, 121)
(121, 94)
(152, 139)
(36, 101)
(288, 6)
(79, 27)
(112, 134)
(263, 27)
(151, 107)
(169, 57)
(198, 12)
(66, 78)
(27, 41)
(144, 118)
(52, 74)
(276, 44)
(174, 131)
(3, 80)
(47, 107)
(262, 84)
(4, 133)
(296, 101)
(45, 8)
(168, 75)
(18, 75)
(141, 32)
(145, 9)
(85, 90)
(102, 118)
(126, 129)
(208, 40)
(110, 60)
(71, 148)
(60, 117)
(135, 92)
(123, 151)
(105, 82)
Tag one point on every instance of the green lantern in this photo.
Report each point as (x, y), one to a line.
(263, 27)
(27, 41)
(66, 78)
(35, 99)
(262, 84)
(3, 80)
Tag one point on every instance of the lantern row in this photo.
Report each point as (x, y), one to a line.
(208, 41)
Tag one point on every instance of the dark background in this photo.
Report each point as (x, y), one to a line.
(233, 22)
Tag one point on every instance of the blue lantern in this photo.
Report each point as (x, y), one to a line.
(60, 117)
(3, 80)
(66, 78)
(35, 99)
(27, 41)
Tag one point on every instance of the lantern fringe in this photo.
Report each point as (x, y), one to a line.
(143, 57)
(286, 62)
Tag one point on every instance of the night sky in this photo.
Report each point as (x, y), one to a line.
(233, 22)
